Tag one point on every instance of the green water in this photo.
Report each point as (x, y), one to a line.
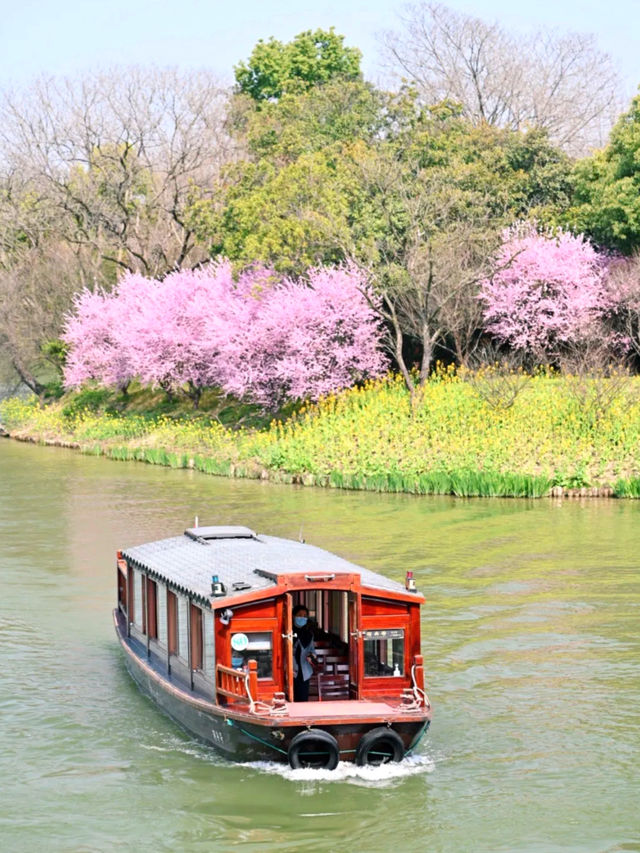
(530, 636)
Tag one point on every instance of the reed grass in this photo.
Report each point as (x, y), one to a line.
(627, 488)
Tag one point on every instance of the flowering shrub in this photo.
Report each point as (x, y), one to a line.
(259, 337)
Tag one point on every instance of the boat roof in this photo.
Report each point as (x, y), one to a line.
(243, 561)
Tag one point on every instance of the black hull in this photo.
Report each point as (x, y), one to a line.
(233, 739)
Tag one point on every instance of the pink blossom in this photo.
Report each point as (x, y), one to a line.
(256, 337)
(306, 339)
(549, 290)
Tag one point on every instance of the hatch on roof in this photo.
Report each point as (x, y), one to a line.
(206, 534)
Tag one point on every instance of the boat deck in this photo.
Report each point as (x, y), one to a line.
(340, 709)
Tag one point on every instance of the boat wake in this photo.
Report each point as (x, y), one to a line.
(385, 774)
(346, 771)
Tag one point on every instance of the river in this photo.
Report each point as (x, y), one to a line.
(532, 654)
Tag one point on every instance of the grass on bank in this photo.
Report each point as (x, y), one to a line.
(465, 434)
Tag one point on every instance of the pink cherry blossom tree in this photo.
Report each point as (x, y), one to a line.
(305, 338)
(97, 336)
(549, 292)
(256, 336)
(173, 340)
(166, 333)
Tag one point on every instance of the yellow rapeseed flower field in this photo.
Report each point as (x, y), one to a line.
(463, 430)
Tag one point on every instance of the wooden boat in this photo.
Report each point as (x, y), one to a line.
(205, 621)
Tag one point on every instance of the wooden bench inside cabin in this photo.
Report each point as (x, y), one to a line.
(333, 686)
(331, 681)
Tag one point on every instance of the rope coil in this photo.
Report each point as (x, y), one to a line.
(419, 696)
(262, 708)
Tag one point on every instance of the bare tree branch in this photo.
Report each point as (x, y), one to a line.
(429, 259)
(561, 83)
(117, 157)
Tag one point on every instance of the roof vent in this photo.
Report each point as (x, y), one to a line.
(208, 534)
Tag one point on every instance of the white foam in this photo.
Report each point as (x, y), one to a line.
(346, 771)
(192, 748)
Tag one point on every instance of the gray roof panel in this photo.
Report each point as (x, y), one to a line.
(188, 563)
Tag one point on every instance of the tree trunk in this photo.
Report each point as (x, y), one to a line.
(427, 356)
(398, 340)
(27, 378)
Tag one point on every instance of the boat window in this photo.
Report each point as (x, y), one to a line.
(122, 591)
(172, 622)
(256, 646)
(183, 625)
(161, 596)
(152, 609)
(137, 599)
(383, 653)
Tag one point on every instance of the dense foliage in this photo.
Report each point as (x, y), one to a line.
(607, 187)
(312, 57)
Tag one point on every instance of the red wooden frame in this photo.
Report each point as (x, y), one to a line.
(263, 618)
(287, 635)
(365, 612)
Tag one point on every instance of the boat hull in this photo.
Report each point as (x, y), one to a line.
(242, 736)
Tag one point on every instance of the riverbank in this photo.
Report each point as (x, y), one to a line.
(482, 434)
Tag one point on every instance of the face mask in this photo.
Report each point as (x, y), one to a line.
(237, 662)
(300, 621)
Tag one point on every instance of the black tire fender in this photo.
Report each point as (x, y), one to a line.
(379, 746)
(314, 748)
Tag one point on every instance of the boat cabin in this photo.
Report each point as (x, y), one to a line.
(212, 610)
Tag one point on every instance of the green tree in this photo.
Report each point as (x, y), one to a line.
(295, 199)
(327, 115)
(438, 196)
(290, 218)
(607, 188)
(312, 57)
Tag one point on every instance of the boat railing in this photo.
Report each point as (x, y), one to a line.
(237, 684)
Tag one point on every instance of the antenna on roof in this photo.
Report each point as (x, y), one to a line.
(300, 538)
(195, 523)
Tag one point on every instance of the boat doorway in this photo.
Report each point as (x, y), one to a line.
(334, 619)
